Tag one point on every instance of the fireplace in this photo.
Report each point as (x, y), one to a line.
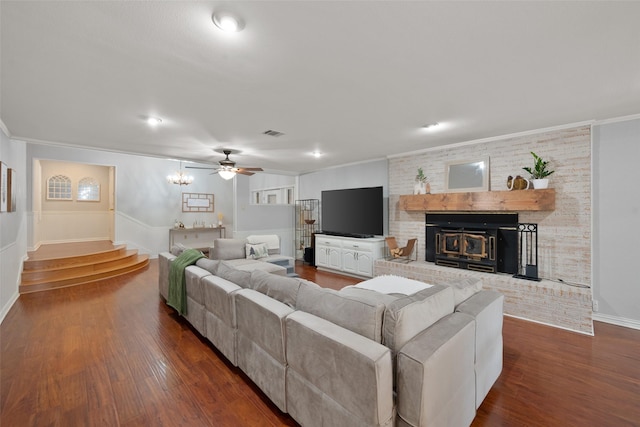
(485, 242)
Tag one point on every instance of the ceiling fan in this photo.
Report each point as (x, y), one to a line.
(228, 169)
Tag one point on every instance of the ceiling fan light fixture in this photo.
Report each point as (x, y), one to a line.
(227, 22)
(226, 174)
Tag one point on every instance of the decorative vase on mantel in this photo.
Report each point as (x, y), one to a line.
(421, 185)
(539, 172)
(540, 184)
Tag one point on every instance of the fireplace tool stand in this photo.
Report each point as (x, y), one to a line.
(528, 252)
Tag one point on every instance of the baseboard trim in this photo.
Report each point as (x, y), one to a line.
(8, 305)
(550, 324)
(615, 320)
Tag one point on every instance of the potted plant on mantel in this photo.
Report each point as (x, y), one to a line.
(422, 185)
(539, 172)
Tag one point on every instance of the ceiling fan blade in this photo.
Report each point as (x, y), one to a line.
(198, 167)
(251, 169)
(243, 171)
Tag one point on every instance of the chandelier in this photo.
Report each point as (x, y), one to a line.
(180, 178)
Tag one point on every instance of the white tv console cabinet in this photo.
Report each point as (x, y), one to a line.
(348, 255)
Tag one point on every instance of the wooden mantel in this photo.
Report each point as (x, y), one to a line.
(518, 200)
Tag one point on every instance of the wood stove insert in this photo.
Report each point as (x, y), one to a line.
(485, 242)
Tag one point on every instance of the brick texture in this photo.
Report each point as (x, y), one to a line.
(563, 298)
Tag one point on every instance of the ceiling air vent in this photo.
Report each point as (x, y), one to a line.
(273, 133)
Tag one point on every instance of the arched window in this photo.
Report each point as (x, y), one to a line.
(59, 188)
(88, 190)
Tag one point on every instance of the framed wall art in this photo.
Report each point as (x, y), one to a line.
(11, 190)
(197, 202)
(4, 172)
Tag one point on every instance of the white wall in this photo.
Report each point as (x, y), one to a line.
(13, 226)
(616, 206)
(263, 219)
(359, 175)
(72, 220)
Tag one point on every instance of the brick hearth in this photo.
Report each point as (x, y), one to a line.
(548, 302)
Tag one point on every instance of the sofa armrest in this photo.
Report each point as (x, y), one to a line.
(164, 262)
(347, 377)
(486, 307)
(435, 374)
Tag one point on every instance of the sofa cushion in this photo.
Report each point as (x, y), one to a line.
(239, 277)
(224, 249)
(208, 264)
(356, 314)
(464, 287)
(256, 251)
(406, 317)
(283, 289)
(250, 265)
(262, 321)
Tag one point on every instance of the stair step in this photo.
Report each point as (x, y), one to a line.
(84, 263)
(53, 263)
(138, 263)
(75, 269)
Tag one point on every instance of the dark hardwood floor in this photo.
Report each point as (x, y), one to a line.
(111, 353)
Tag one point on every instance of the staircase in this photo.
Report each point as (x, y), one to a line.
(68, 264)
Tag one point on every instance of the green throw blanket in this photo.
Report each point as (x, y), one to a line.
(177, 297)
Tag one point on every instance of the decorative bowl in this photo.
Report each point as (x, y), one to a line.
(309, 221)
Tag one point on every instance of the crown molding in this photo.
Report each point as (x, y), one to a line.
(4, 128)
(617, 119)
(495, 138)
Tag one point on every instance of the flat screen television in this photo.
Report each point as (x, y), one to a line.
(353, 212)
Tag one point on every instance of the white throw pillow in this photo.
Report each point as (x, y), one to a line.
(259, 250)
(390, 284)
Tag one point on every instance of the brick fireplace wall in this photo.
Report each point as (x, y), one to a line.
(564, 235)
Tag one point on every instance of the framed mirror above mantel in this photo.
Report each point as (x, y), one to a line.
(481, 201)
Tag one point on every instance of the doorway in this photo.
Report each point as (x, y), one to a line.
(72, 202)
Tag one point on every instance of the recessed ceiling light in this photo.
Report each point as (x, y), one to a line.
(272, 132)
(227, 22)
(430, 125)
(153, 121)
(316, 154)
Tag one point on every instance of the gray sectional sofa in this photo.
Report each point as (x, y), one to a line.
(355, 357)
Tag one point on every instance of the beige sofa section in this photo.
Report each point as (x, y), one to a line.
(234, 252)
